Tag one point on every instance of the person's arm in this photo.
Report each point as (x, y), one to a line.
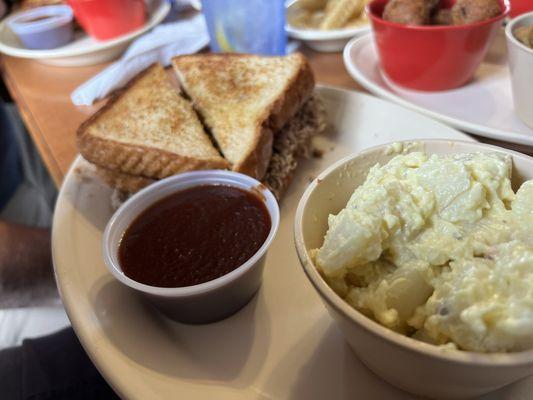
(25, 256)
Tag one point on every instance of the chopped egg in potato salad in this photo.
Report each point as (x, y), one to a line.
(438, 248)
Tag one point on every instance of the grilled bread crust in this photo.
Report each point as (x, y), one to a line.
(139, 160)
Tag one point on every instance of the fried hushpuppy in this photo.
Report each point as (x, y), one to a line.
(442, 17)
(407, 12)
(470, 11)
(432, 4)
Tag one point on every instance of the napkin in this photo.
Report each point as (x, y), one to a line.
(160, 45)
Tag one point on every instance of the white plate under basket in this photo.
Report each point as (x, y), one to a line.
(483, 107)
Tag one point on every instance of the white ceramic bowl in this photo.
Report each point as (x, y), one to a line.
(324, 41)
(411, 365)
(209, 301)
(521, 65)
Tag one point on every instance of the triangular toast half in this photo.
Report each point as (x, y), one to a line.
(148, 129)
(244, 100)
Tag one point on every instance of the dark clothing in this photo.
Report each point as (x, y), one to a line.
(54, 366)
(10, 163)
(51, 367)
(27, 194)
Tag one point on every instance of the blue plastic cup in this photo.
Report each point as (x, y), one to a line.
(246, 26)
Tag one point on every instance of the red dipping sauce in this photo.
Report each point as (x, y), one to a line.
(194, 236)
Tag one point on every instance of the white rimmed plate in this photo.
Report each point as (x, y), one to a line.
(84, 50)
(282, 345)
(325, 41)
(483, 107)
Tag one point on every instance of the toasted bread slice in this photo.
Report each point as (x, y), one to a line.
(244, 99)
(148, 129)
(292, 142)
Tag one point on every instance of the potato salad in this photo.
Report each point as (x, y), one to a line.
(440, 249)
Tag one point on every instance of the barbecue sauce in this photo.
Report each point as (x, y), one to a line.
(194, 236)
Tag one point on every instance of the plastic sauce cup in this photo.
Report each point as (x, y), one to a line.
(209, 301)
(44, 27)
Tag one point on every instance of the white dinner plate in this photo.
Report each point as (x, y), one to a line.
(84, 50)
(483, 107)
(282, 345)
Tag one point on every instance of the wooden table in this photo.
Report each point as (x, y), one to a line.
(42, 93)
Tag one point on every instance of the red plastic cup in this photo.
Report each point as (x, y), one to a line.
(519, 7)
(432, 58)
(107, 19)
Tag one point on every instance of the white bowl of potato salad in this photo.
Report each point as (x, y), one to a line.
(326, 25)
(423, 254)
